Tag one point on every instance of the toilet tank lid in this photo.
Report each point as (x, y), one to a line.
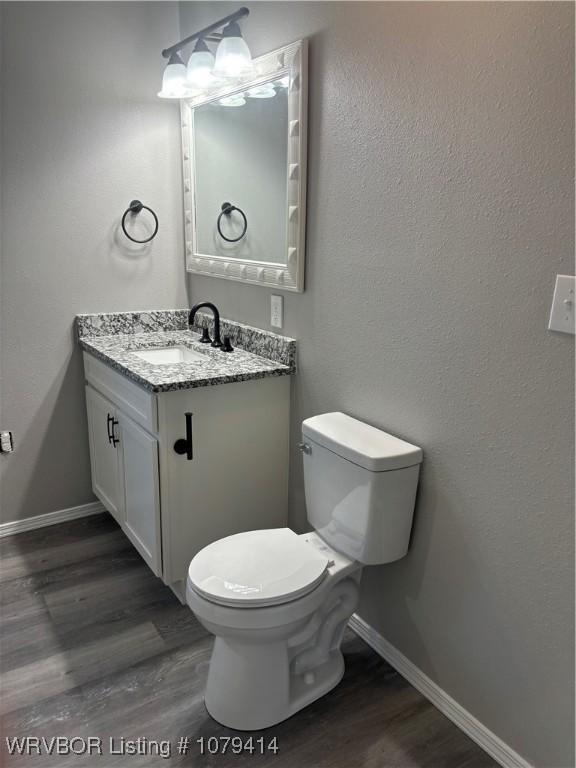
(360, 443)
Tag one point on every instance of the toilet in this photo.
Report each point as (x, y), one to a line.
(278, 602)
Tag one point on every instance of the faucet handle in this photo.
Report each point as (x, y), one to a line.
(205, 336)
(227, 346)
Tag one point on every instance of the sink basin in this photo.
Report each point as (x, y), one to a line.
(170, 355)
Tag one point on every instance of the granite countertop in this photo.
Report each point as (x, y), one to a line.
(114, 337)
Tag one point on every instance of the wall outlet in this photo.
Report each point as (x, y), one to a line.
(6, 442)
(562, 314)
(276, 311)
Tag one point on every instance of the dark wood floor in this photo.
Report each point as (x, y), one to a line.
(94, 645)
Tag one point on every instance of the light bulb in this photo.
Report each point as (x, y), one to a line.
(174, 79)
(265, 91)
(200, 66)
(237, 100)
(233, 57)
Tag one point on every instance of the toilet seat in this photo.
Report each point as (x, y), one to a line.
(257, 569)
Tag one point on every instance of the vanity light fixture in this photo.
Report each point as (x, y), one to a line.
(174, 79)
(233, 60)
(200, 66)
(233, 57)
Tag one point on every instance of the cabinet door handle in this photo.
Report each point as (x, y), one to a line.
(109, 422)
(115, 440)
(184, 444)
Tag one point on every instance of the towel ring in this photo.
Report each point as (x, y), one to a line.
(135, 207)
(227, 209)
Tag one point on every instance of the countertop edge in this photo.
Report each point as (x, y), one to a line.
(279, 369)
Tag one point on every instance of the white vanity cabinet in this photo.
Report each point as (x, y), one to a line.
(125, 477)
(230, 476)
(105, 458)
(141, 479)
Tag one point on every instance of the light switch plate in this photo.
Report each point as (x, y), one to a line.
(276, 311)
(562, 314)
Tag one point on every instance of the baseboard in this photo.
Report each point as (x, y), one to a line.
(50, 518)
(472, 727)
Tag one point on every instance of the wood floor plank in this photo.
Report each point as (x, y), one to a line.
(28, 562)
(174, 624)
(145, 699)
(79, 530)
(61, 671)
(95, 645)
(72, 573)
(23, 616)
(89, 601)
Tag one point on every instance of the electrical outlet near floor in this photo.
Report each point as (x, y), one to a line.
(276, 311)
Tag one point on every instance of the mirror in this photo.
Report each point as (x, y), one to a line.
(244, 175)
(241, 156)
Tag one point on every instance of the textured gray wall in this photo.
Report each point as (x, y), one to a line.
(440, 210)
(82, 134)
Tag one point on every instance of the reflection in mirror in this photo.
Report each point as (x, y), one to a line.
(240, 153)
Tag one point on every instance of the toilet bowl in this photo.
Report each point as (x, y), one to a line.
(259, 674)
(278, 602)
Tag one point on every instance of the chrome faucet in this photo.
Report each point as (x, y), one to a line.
(205, 337)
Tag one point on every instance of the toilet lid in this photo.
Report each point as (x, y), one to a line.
(257, 568)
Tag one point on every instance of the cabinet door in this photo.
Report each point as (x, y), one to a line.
(105, 455)
(141, 492)
(235, 478)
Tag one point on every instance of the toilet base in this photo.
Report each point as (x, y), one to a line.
(238, 699)
(260, 677)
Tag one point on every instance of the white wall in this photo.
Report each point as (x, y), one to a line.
(440, 209)
(82, 134)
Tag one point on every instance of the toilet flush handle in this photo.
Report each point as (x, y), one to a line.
(305, 448)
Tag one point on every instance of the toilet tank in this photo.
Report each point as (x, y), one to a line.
(360, 485)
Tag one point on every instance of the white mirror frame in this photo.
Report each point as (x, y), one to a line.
(291, 60)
